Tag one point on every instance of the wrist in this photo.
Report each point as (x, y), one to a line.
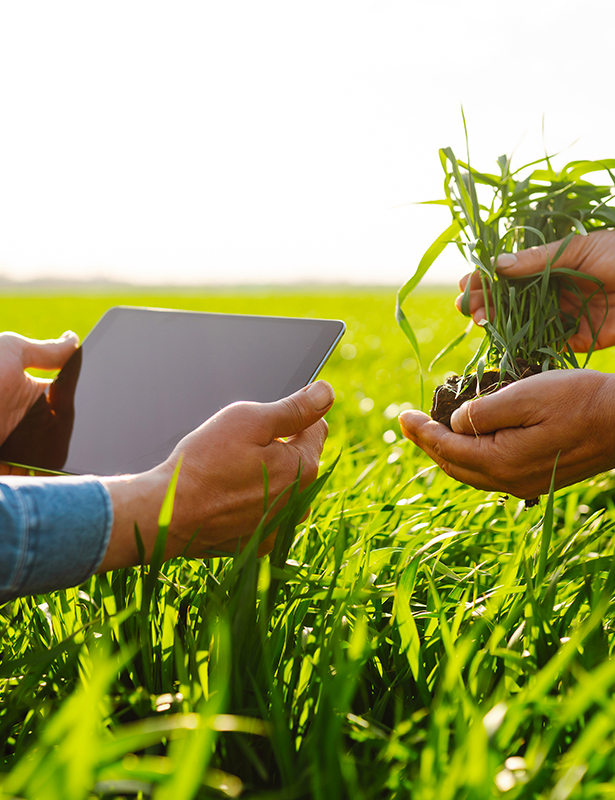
(136, 500)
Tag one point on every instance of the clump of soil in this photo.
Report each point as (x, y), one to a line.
(449, 396)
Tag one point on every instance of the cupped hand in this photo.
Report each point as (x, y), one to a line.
(592, 255)
(508, 441)
(220, 489)
(19, 390)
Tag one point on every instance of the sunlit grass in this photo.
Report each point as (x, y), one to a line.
(417, 641)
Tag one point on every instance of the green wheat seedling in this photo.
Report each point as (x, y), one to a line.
(510, 210)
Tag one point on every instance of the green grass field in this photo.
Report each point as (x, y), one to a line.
(414, 638)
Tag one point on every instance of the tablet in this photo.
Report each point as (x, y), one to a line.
(145, 377)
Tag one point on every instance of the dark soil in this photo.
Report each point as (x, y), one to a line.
(447, 397)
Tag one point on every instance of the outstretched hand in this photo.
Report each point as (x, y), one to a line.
(508, 441)
(592, 255)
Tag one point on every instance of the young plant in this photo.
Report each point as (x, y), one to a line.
(496, 213)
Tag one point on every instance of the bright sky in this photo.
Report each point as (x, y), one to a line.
(227, 141)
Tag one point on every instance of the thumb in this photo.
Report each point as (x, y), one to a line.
(49, 353)
(300, 410)
(534, 259)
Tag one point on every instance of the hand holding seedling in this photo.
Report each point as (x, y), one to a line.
(19, 390)
(542, 247)
(220, 490)
(517, 432)
(592, 255)
(508, 441)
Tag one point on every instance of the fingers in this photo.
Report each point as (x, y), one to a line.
(475, 281)
(477, 306)
(523, 263)
(477, 296)
(434, 438)
(50, 353)
(534, 259)
(300, 411)
(492, 462)
(454, 454)
(525, 403)
(518, 461)
(509, 407)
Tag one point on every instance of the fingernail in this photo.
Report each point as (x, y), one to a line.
(321, 394)
(69, 335)
(506, 260)
(454, 420)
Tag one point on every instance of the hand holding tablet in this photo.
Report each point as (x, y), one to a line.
(220, 489)
(144, 378)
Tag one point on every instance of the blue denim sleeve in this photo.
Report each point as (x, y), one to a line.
(54, 533)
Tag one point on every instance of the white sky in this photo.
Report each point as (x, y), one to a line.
(264, 141)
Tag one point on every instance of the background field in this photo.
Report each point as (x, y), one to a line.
(419, 639)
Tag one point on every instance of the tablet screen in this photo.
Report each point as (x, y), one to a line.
(144, 378)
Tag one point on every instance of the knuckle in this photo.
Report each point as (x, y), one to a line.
(238, 411)
(472, 416)
(447, 468)
(294, 411)
(28, 351)
(440, 456)
(232, 410)
(441, 449)
(534, 256)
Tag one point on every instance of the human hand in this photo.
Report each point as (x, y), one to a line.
(220, 489)
(508, 441)
(42, 437)
(19, 390)
(592, 255)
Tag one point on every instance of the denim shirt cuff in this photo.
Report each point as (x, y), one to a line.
(54, 533)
